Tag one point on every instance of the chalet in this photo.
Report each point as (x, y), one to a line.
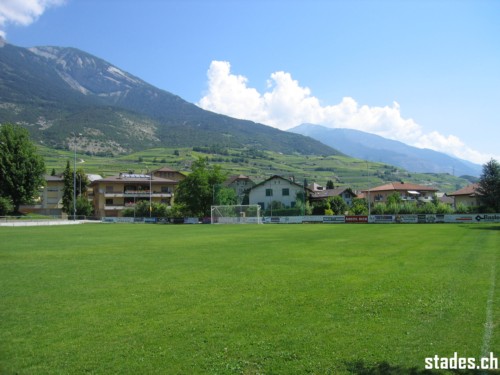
(467, 196)
(168, 173)
(275, 189)
(241, 184)
(345, 193)
(408, 192)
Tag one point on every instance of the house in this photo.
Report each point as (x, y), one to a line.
(344, 192)
(466, 196)
(168, 173)
(113, 194)
(241, 184)
(408, 192)
(49, 200)
(275, 189)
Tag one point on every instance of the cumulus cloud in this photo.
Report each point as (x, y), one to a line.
(23, 12)
(286, 104)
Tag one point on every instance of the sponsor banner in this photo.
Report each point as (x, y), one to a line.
(381, 219)
(356, 219)
(117, 219)
(150, 220)
(333, 219)
(407, 219)
(312, 219)
(488, 218)
(191, 220)
(283, 220)
(473, 218)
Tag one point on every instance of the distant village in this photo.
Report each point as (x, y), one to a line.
(277, 196)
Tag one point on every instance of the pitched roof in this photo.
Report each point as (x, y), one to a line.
(330, 192)
(234, 178)
(469, 190)
(281, 178)
(402, 186)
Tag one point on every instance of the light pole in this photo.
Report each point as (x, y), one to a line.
(74, 178)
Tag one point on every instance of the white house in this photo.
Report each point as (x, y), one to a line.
(275, 188)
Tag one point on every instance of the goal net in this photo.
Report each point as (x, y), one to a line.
(236, 214)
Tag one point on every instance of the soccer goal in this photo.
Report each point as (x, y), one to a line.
(236, 214)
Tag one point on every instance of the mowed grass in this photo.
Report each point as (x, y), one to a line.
(252, 299)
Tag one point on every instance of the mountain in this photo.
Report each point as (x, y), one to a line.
(372, 147)
(66, 97)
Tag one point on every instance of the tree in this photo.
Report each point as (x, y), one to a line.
(68, 181)
(197, 190)
(21, 168)
(489, 186)
(329, 184)
(338, 205)
(82, 182)
(83, 207)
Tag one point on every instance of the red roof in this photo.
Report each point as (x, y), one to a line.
(469, 190)
(402, 186)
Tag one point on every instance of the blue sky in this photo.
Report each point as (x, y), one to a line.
(423, 72)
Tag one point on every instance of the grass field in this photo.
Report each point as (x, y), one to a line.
(255, 299)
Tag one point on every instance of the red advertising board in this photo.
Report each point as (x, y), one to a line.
(356, 219)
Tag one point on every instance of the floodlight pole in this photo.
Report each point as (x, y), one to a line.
(150, 178)
(74, 178)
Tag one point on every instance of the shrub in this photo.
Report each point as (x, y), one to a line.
(6, 206)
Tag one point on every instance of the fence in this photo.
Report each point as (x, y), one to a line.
(335, 219)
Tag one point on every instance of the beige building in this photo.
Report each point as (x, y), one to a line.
(466, 196)
(169, 173)
(49, 201)
(241, 184)
(113, 194)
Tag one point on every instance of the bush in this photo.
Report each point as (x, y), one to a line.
(6, 206)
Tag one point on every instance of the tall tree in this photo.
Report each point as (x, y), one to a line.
(21, 168)
(197, 190)
(67, 198)
(489, 186)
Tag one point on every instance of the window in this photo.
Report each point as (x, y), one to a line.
(269, 192)
(109, 202)
(285, 192)
(109, 188)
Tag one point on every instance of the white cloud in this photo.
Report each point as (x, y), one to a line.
(23, 12)
(286, 104)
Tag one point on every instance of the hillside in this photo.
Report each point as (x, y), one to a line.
(372, 147)
(259, 165)
(58, 93)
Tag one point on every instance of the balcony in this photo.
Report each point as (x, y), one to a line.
(137, 194)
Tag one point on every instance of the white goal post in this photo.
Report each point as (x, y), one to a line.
(236, 214)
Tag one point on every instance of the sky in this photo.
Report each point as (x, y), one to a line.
(424, 72)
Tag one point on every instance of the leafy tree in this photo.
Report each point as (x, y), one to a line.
(359, 206)
(196, 191)
(53, 173)
(338, 205)
(489, 186)
(82, 182)
(68, 181)
(225, 196)
(329, 184)
(21, 168)
(84, 207)
(394, 198)
(6, 206)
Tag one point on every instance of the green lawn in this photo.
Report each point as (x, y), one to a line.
(251, 299)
